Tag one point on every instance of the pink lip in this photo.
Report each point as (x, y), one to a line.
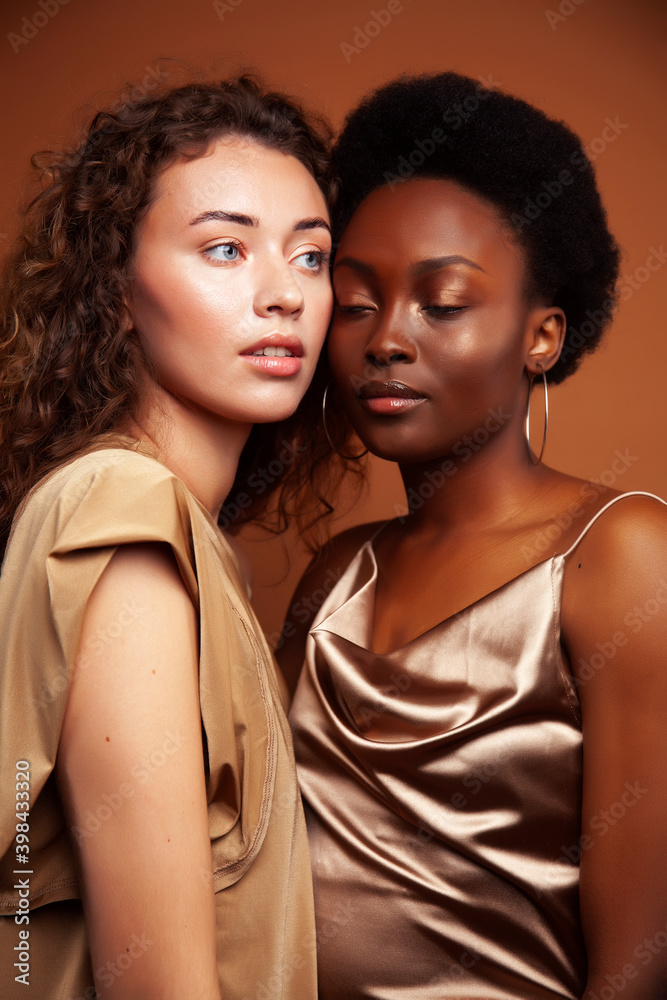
(390, 405)
(272, 365)
(388, 398)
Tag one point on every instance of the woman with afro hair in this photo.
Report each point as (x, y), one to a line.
(479, 724)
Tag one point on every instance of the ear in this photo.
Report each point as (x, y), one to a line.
(128, 322)
(546, 333)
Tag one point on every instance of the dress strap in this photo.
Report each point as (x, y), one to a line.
(632, 493)
(372, 538)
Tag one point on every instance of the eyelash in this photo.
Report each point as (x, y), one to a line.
(323, 256)
(223, 243)
(436, 311)
(443, 310)
(353, 310)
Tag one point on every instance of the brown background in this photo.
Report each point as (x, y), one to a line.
(597, 59)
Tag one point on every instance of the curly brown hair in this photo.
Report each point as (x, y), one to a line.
(70, 372)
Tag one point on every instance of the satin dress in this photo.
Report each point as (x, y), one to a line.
(442, 784)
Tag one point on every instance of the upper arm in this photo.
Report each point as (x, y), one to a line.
(131, 769)
(323, 572)
(615, 622)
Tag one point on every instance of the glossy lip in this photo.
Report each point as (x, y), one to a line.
(397, 390)
(276, 366)
(389, 398)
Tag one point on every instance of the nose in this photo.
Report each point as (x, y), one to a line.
(389, 343)
(277, 290)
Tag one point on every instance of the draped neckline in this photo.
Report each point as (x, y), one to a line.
(365, 591)
(365, 594)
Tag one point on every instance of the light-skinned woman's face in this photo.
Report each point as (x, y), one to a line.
(230, 291)
(429, 290)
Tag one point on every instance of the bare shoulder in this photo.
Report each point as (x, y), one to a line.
(620, 565)
(631, 532)
(321, 575)
(146, 571)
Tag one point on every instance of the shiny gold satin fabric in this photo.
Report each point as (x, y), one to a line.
(260, 870)
(442, 784)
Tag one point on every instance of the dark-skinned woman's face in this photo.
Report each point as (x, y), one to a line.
(429, 288)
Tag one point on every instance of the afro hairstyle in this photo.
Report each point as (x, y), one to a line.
(533, 168)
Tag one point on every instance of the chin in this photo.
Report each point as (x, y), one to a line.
(392, 443)
(273, 414)
(400, 456)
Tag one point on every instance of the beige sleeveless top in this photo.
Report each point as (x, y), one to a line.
(62, 541)
(442, 784)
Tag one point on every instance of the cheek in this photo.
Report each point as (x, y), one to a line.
(319, 305)
(485, 349)
(172, 311)
(342, 352)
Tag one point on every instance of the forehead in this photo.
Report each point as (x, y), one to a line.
(239, 170)
(427, 218)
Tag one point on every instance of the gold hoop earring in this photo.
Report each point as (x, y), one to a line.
(349, 458)
(536, 461)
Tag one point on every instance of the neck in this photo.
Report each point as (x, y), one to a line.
(472, 491)
(201, 448)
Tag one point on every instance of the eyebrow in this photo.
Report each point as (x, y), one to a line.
(419, 269)
(315, 223)
(439, 263)
(355, 265)
(220, 216)
(251, 220)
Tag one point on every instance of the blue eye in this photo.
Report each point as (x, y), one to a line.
(313, 260)
(228, 251)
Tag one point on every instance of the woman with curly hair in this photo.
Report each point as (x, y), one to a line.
(163, 314)
(479, 725)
